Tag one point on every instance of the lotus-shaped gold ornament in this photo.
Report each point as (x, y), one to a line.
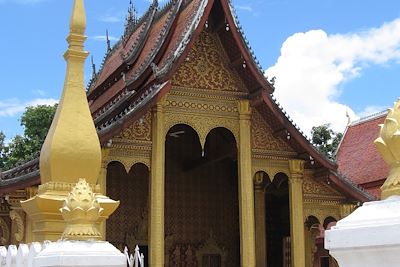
(81, 210)
(388, 145)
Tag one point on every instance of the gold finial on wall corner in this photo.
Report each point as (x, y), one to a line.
(388, 145)
(349, 121)
(81, 210)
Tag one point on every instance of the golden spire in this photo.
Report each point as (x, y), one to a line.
(388, 144)
(72, 149)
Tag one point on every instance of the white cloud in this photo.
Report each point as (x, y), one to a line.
(104, 37)
(244, 8)
(13, 106)
(111, 18)
(313, 65)
(369, 110)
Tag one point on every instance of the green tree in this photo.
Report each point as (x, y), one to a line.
(36, 122)
(2, 149)
(326, 140)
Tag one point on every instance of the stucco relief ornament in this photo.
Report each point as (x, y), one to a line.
(80, 212)
(388, 144)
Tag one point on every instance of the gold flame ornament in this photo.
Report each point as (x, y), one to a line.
(388, 145)
(81, 210)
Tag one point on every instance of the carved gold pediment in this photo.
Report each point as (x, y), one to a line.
(318, 188)
(262, 135)
(207, 67)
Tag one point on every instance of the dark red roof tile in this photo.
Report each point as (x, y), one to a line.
(357, 156)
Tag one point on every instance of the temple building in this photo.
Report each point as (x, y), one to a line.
(357, 149)
(208, 167)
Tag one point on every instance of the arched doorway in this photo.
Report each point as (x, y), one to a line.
(201, 197)
(325, 259)
(312, 231)
(316, 254)
(127, 226)
(261, 182)
(278, 221)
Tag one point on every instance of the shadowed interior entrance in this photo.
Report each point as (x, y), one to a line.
(128, 226)
(278, 222)
(201, 198)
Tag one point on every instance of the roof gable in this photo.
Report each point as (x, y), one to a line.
(206, 66)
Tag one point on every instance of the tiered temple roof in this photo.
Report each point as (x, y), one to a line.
(137, 70)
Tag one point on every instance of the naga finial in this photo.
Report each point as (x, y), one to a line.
(93, 68)
(388, 144)
(108, 42)
(348, 118)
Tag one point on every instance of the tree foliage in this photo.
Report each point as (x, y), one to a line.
(326, 140)
(36, 122)
(2, 149)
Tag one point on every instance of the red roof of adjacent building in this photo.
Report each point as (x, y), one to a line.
(357, 156)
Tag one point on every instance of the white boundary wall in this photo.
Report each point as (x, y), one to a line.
(369, 237)
(68, 254)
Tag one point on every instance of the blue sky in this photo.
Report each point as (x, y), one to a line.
(328, 56)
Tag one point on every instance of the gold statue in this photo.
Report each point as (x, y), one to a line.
(388, 144)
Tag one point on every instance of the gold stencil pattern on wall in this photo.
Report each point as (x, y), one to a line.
(262, 137)
(132, 190)
(139, 130)
(312, 187)
(207, 67)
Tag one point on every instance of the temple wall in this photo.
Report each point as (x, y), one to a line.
(204, 96)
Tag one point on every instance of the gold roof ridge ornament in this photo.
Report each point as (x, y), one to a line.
(72, 148)
(81, 210)
(388, 145)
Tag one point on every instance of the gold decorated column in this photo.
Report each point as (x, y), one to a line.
(259, 205)
(246, 191)
(296, 212)
(157, 185)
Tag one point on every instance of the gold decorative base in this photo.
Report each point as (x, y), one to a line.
(81, 232)
(44, 212)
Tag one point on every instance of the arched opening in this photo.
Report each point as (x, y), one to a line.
(261, 181)
(201, 197)
(278, 221)
(127, 226)
(318, 256)
(313, 230)
(329, 221)
(311, 222)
